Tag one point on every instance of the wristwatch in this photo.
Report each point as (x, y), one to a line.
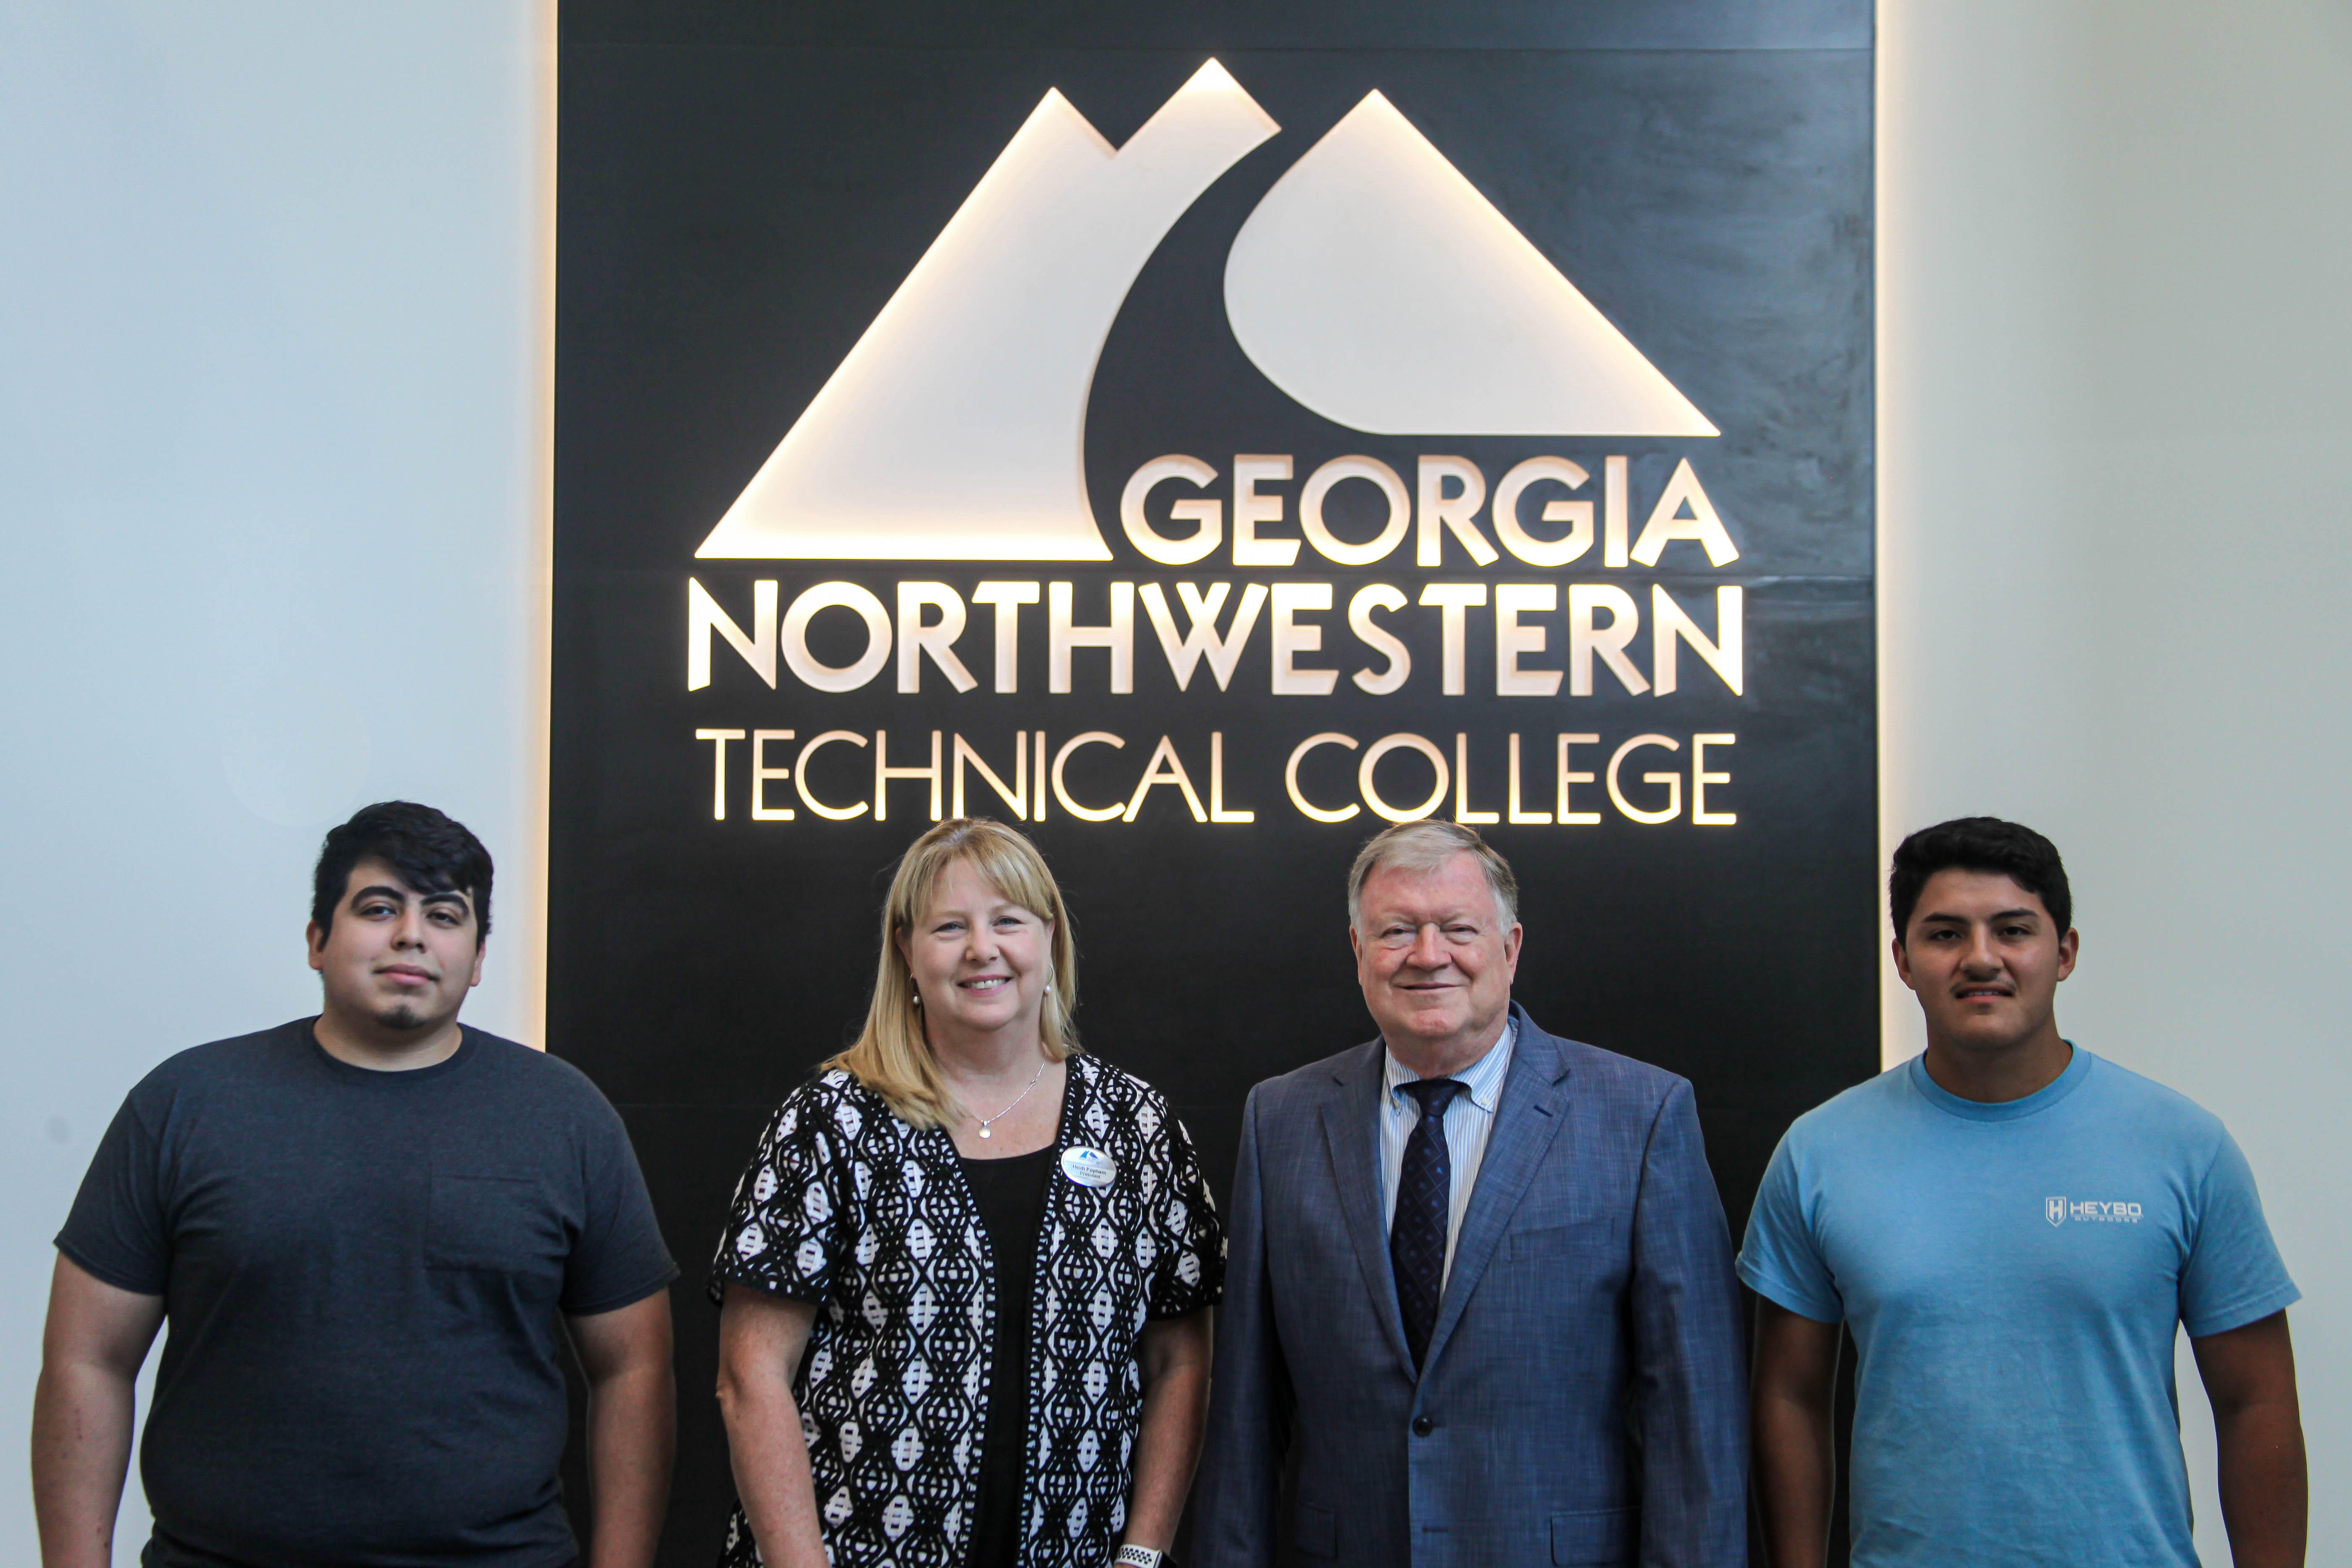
(1137, 1557)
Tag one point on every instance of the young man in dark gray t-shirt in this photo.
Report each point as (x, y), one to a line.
(361, 1229)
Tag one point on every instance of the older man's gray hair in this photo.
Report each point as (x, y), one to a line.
(1425, 846)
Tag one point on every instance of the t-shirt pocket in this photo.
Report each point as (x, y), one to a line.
(487, 1221)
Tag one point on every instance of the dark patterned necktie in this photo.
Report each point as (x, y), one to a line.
(1424, 1202)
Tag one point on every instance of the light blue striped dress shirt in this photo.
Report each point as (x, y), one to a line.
(1469, 1118)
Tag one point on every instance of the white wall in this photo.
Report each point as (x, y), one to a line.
(2116, 367)
(270, 459)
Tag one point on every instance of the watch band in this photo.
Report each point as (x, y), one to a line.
(1137, 1557)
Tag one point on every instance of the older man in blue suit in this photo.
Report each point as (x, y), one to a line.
(1480, 1301)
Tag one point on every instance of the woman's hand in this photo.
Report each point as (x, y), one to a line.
(1175, 1354)
(761, 1340)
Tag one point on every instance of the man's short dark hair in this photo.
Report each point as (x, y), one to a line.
(431, 853)
(1979, 844)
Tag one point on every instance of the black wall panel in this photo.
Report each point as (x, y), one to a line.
(745, 185)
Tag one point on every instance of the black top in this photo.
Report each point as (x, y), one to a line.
(846, 1205)
(362, 1272)
(1011, 1197)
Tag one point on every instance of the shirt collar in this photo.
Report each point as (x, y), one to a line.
(1482, 1080)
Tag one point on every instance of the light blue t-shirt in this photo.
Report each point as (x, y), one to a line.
(2012, 1274)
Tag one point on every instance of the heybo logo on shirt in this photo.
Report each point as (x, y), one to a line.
(2058, 1211)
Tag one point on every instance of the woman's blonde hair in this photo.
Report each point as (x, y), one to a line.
(893, 1056)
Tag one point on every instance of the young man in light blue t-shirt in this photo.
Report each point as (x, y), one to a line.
(2013, 1227)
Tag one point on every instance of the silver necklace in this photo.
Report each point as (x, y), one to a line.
(1017, 1098)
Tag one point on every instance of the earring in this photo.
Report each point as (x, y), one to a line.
(915, 999)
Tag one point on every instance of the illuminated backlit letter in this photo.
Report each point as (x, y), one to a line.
(1665, 524)
(1117, 638)
(1201, 640)
(1462, 812)
(1217, 811)
(1291, 639)
(1616, 510)
(1016, 797)
(1171, 773)
(1518, 816)
(1207, 516)
(1567, 776)
(761, 773)
(1250, 508)
(718, 768)
(1584, 641)
(1701, 778)
(703, 616)
(1008, 598)
(1453, 599)
(937, 640)
(1577, 514)
(1440, 513)
(1513, 600)
(1670, 628)
(1381, 748)
(883, 772)
(1674, 782)
(801, 772)
(1061, 791)
(1329, 544)
(1387, 644)
(1290, 777)
(827, 676)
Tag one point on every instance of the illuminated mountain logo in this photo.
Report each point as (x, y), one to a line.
(1374, 285)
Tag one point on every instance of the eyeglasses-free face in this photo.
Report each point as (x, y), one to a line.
(981, 963)
(396, 957)
(1985, 959)
(1434, 957)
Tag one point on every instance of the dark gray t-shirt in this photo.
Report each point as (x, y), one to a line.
(362, 1273)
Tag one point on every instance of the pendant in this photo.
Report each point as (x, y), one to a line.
(984, 1132)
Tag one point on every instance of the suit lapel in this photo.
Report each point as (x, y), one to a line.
(1351, 1112)
(1533, 1109)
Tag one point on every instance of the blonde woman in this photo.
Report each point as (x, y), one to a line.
(966, 1282)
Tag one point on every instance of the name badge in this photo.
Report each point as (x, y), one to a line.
(1088, 1167)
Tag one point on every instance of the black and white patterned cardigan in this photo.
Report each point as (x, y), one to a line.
(846, 1205)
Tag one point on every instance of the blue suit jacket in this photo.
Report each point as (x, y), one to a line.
(1583, 1400)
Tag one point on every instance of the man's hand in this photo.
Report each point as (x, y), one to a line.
(91, 1350)
(1793, 1446)
(632, 1428)
(2249, 1376)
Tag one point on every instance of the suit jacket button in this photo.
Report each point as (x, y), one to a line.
(1422, 1425)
